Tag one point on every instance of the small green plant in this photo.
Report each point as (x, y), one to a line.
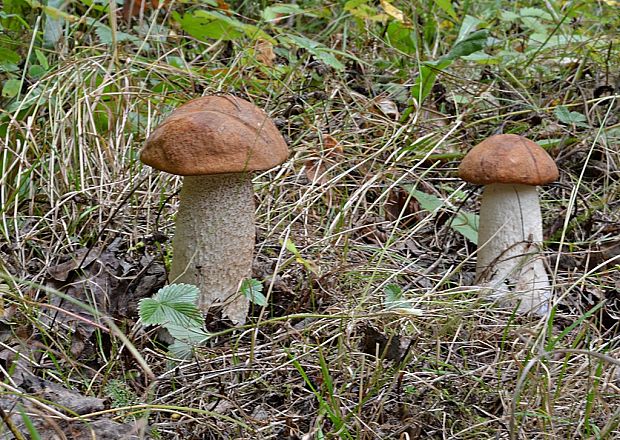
(393, 300)
(174, 308)
(121, 394)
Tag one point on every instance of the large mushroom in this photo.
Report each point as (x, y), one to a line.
(509, 261)
(215, 142)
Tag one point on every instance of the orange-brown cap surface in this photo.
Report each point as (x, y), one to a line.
(215, 135)
(508, 158)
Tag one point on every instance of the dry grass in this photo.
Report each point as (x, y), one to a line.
(325, 359)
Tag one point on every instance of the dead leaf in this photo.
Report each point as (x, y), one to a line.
(401, 205)
(388, 108)
(394, 12)
(224, 7)
(372, 230)
(331, 145)
(316, 171)
(263, 51)
(82, 258)
(376, 343)
(133, 8)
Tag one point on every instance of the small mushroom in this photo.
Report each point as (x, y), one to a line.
(509, 261)
(215, 142)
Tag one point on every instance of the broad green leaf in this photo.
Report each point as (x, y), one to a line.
(468, 26)
(446, 6)
(426, 79)
(537, 38)
(204, 25)
(320, 52)
(105, 35)
(185, 340)
(53, 27)
(471, 43)
(534, 25)
(193, 335)
(535, 12)
(253, 290)
(482, 58)
(11, 88)
(7, 55)
(172, 305)
(272, 12)
(181, 350)
(317, 49)
(509, 16)
(36, 71)
(428, 72)
(42, 59)
(565, 116)
(401, 37)
(466, 224)
(463, 222)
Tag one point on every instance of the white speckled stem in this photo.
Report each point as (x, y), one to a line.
(510, 233)
(214, 240)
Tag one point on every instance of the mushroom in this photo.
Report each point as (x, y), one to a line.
(215, 142)
(509, 261)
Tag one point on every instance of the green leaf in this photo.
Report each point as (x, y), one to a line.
(535, 12)
(253, 290)
(463, 222)
(181, 350)
(393, 293)
(192, 335)
(401, 37)
(105, 35)
(471, 43)
(426, 79)
(427, 76)
(394, 300)
(36, 71)
(565, 116)
(9, 56)
(53, 27)
(468, 26)
(446, 6)
(185, 340)
(172, 305)
(319, 51)
(204, 25)
(42, 59)
(11, 88)
(509, 16)
(272, 12)
(534, 25)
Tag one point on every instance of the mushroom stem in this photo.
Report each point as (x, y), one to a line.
(510, 233)
(214, 239)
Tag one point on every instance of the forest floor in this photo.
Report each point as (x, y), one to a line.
(373, 327)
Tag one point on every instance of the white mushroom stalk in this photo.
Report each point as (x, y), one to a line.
(510, 264)
(214, 240)
(509, 240)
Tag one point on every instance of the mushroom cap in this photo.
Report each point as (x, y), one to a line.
(215, 135)
(508, 158)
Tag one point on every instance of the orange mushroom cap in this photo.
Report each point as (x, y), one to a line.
(215, 135)
(508, 158)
